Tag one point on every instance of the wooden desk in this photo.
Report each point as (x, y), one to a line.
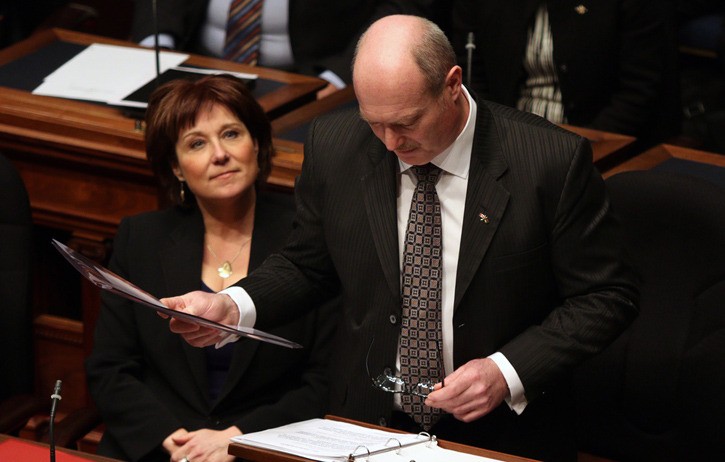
(608, 149)
(663, 152)
(284, 92)
(263, 455)
(32, 454)
(303, 116)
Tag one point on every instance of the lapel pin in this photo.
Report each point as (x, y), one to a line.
(581, 9)
(483, 217)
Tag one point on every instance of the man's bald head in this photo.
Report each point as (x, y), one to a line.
(398, 46)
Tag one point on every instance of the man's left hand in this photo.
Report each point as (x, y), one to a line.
(471, 391)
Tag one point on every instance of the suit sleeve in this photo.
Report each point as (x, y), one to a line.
(302, 275)
(598, 290)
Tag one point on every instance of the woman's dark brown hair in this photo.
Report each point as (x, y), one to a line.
(175, 106)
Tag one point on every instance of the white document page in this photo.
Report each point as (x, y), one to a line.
(106, 72)
(329, 441)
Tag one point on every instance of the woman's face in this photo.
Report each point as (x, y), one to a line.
(217, 157)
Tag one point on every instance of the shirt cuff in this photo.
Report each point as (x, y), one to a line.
(333, 79)
(165, 41)
(247, 312)
(516, 400)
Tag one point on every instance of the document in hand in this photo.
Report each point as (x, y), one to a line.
(110, 281)
(333, 441)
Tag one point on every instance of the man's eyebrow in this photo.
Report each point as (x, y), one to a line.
(407, 120)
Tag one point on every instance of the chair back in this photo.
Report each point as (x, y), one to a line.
(658, 392)
(16, 365)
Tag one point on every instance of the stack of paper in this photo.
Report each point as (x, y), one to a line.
(106, 73)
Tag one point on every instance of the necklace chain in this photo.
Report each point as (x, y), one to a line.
(225, 270)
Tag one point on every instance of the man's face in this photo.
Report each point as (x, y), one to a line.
(409, 120)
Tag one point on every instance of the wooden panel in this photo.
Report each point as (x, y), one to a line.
(59, 355)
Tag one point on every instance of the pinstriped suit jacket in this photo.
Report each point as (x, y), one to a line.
(543, 281)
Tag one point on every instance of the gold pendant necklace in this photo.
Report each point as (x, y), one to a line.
(225, 270)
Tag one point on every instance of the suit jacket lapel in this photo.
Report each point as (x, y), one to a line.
(486, 201)
(266, 238)
(180, 258)
(379, 188)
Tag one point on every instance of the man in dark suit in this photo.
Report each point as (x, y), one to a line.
(319, 45)
(534, 280)
(608, 65)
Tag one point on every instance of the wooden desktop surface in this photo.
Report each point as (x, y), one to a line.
(253, 454)
(606, 146)
(293, 91)
(84, 455)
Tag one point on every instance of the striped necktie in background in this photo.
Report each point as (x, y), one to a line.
(244, 30)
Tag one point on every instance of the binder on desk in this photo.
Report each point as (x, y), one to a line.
(340, 440)
(392, 445)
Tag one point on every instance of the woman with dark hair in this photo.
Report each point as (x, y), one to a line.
(209, 143)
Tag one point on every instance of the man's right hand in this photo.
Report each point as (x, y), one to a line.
(219, 308)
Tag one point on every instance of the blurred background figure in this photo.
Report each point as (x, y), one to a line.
(605, 64)
(315, 38)
(209, 144)
(701, 34)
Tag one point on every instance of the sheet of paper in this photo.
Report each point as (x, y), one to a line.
(106, 73)
(329, 441)
(110, 281)
(425, 453)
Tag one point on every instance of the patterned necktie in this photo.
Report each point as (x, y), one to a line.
(244, 30)
(421, 323)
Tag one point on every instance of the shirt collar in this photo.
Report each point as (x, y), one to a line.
(456, 158)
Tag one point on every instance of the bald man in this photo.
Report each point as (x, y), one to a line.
(533, 278)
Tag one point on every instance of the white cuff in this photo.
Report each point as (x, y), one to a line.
(165, 41)
(516, 400)
(247, 312)
(333, 79)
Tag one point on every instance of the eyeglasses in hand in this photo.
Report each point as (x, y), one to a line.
(389, 382)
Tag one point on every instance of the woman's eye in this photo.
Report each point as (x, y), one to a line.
(196, 144)
(230, 134)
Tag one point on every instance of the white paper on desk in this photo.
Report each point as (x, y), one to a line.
(106, 72)
(331, 441)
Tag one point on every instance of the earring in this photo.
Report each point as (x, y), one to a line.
(182, 194)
